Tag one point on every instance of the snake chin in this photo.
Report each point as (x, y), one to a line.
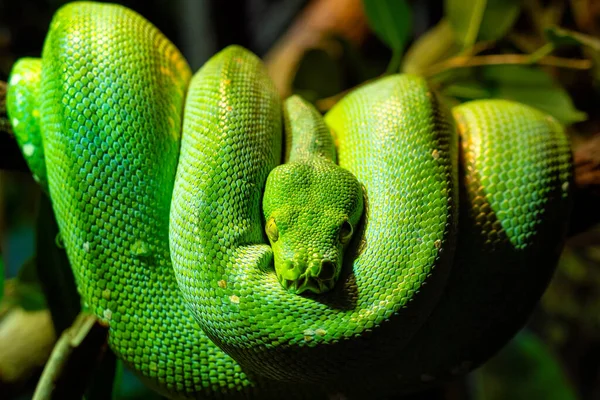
(307, 283)
(317, 276)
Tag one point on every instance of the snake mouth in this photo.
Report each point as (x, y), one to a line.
(307, 283)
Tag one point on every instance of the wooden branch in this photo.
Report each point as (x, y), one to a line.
(73, 360)
(506, 59)
(586, 210)
(587, 164)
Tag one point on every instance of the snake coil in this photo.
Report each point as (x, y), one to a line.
(157, 181)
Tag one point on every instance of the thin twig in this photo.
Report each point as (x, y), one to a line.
(73, 360)
(394, 65)
(479, 47)
(465, 61)
(506, 59)
(542, 52)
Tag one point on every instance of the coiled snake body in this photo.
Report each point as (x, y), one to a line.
(158, 183)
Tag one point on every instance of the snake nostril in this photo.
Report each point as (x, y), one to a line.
(289, 265)
(327, 270)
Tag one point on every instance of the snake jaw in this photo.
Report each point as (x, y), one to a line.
(292, 286)
(307, 283)
(319, 278)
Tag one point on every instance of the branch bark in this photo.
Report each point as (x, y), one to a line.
(73, 360)
(507, 59)
(586, 162)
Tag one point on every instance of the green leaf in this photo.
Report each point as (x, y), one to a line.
(28, 292)
(475, 20)
(390, 20)
(30, 297)
(524, 369)
(526, 85)
(27, 274)
(565, 37)
(434, 45)
(318, 76)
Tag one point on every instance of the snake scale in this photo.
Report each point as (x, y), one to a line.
(241, 246)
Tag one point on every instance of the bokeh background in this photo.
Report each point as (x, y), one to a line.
(545, 53)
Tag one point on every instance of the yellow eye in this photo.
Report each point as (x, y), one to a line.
(345, 232)
(271, 229)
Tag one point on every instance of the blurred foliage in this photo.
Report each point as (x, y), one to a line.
(569, 316)
(434, 45)
(572, 297)
(318, 70)
(391, 20)
(524, 369)
(479, 49)
(28, 291)
(532, 86)
(477, 20)
(564, 37)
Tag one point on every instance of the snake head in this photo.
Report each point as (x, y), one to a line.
(311, 210)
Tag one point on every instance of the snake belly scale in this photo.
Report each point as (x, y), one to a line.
(180, 235)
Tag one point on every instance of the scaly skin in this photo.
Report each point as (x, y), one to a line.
(22, 104)
(157, 181)
(515, 188)
(514, 181)
(111, 123)
(244, 309)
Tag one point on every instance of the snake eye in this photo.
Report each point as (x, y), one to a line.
(271, 229)
(345, 232)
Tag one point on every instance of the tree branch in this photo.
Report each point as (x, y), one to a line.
(586, 162)
(73, 360)
(506, 59)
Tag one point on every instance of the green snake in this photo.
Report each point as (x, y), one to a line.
(352, 268)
